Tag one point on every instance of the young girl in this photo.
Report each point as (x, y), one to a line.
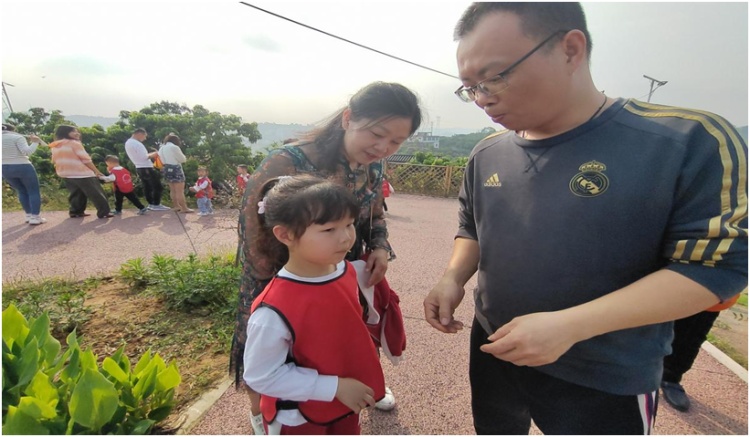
(308, 352)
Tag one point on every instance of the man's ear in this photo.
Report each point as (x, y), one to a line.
(574, 45)
(283, 234)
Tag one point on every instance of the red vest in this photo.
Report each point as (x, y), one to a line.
(328, 335)
(209, 191)
(123, 181)
(386, 188)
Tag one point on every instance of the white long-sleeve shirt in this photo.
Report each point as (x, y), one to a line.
(268, 345)
(15, 148)
(138, 154)
(171, 154)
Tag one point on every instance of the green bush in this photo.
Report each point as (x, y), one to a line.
(62, 300)
(186, 284)
(46, 392)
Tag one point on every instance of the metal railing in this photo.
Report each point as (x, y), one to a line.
(427, 180)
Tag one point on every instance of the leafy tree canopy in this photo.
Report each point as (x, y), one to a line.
(211, 139)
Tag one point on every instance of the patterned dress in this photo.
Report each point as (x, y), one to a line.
(257, 270)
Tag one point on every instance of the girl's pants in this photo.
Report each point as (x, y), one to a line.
(204, 205)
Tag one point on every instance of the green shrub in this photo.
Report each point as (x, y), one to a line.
(46, 392)
(61, 299)
(187, 284)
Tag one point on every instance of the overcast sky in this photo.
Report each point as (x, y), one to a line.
(99, 58)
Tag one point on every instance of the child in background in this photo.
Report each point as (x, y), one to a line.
(123, 183)
(204, 192)
(242, 177)
(308, 352)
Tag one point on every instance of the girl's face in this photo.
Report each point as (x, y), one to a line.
(75, 135)
(323, 245)
(367, 141)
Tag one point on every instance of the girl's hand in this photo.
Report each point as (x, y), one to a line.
(354, 394)
(377, 265)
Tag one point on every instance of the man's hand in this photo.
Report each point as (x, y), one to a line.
(440, 304)
(533, 340)
(377, 265)
(354, 394)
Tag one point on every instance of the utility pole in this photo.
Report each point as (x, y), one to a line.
(653, 88)
(6, 100)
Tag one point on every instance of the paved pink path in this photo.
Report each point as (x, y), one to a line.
(431, 385)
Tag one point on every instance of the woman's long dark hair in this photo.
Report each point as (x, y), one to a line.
(62, 131)
(297, 202)
(376, 101)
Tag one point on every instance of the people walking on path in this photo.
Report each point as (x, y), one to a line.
(583, 261)
(123, 185)
(73, 164)
(144, 168)
(19, 172)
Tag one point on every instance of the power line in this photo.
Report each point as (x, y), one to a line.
(346, 40)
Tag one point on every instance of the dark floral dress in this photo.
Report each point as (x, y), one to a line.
(366, 184)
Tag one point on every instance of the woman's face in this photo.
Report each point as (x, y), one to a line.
(75, 135)
(367, 141)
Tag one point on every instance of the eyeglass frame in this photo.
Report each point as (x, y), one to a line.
(480, 85)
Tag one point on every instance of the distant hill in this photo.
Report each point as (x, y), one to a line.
(88, 120)
(274, 132)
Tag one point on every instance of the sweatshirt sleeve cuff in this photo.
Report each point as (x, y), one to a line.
(325, 388)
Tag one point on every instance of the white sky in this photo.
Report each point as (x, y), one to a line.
(101, 57)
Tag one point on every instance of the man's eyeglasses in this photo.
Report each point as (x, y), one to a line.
(499, 82)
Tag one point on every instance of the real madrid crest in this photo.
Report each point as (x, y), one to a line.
(591, 181)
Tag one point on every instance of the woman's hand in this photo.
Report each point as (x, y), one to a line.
(377, 265)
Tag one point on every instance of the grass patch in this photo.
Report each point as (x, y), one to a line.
(727, 348)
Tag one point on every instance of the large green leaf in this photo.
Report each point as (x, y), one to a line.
(94, 400)
(146, 384)
(15, 326)
(28, 364)
(168, 378)
(114, 369)
(18, 423)
(36, 408)
(73, 369)
(142, 427)
(42, 388)
(88, 360)
(142, 362)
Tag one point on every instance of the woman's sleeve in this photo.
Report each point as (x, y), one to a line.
(180, 156)
(376, 236)
(24, 147)
(81, 152)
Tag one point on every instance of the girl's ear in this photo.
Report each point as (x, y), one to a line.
(283, 234)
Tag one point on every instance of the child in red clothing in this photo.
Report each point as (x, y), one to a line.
(204, 192)
(123, 183)
(242, 178)
(308, 352)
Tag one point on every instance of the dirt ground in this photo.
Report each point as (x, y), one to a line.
(731, 327)
(141, 322)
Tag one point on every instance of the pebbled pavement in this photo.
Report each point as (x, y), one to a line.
(430, 385)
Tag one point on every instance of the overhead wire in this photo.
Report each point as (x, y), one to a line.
(346, 40)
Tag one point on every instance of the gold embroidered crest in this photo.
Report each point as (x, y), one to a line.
(591, 181)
